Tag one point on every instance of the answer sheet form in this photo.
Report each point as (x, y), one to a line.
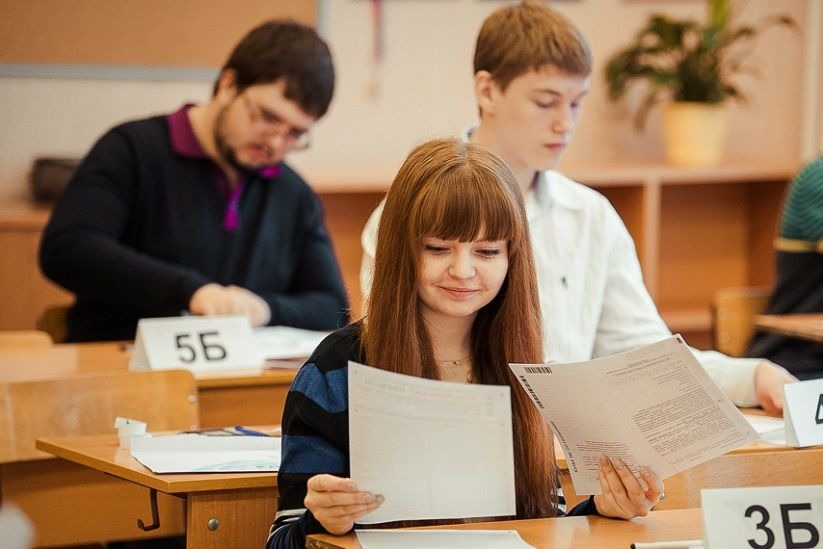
(655, 406)
(432, 449)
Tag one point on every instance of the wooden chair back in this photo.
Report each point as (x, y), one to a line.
(14, 339)
(733, 312)
(88, 404)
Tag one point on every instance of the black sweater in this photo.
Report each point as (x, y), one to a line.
(140, 228)
(797, 290)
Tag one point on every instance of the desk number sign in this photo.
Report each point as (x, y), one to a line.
(786, 517)
(803, 413)
(197, 343)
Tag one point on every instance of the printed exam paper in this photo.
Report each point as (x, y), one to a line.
(433, 449)
(654, 406)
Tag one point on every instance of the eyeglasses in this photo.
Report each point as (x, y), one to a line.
(274, 125)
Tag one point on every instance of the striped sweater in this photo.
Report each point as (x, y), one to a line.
(802, 217)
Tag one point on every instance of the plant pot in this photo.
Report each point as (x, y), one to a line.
(695, 133)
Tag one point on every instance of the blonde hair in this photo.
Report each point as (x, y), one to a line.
(454, 190)
(528, 36)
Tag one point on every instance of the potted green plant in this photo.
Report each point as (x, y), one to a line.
(690, 66)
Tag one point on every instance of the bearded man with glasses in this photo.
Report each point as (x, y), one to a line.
(196, 210)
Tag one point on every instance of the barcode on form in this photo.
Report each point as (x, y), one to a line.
(537, 369)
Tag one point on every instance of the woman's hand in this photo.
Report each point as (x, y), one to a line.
(624, 495)
(336, 503)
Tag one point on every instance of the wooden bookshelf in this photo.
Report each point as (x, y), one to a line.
(24, 292)
(697, 230)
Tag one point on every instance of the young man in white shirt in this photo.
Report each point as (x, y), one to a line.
(532, 70)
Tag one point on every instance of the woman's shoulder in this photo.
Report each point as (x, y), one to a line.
(338, 348)
(323, 379)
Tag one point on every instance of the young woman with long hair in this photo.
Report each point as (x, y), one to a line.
(454, 298)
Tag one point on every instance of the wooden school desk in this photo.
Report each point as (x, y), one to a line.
(576, 532)
(249, 397)
(246, 398)
(802, 326)
(222, 509)
(69, 504)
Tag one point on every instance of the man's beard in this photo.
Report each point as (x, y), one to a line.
(226, 152)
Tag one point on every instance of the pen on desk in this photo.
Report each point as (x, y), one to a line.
(250, 432)
(681, 544)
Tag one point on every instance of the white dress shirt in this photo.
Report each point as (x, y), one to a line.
(593, 300)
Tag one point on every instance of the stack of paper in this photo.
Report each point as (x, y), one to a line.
(192, 453)
(770, 429)
(284, 342)
(440, 539)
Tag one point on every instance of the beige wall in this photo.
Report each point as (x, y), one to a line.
(813, 81)
(421, 88)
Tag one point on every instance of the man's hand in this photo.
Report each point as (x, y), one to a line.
(769, 379)
(214, 299)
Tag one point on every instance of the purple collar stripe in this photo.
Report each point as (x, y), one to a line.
(185, 143)
(181, 134)
(231, 218)
(269, 172)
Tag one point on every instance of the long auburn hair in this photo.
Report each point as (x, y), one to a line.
(451, 190)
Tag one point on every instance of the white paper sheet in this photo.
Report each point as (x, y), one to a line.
(440, 539)
(769, 429)
(765, 424)
(433, 449)
(191, 453)
(283, 342)
(654, 406)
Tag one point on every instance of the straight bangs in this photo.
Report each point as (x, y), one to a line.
(466, 205)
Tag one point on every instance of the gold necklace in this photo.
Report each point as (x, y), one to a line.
(450, 370)
(459, 362)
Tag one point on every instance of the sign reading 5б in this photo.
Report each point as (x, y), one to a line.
(195, 343)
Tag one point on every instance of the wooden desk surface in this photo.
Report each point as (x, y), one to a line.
(102, 452)
(801, 326)
(221, 509)
(64, 359)
(34, 364)
(577, 532)
(23, 215)
(239, 397)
